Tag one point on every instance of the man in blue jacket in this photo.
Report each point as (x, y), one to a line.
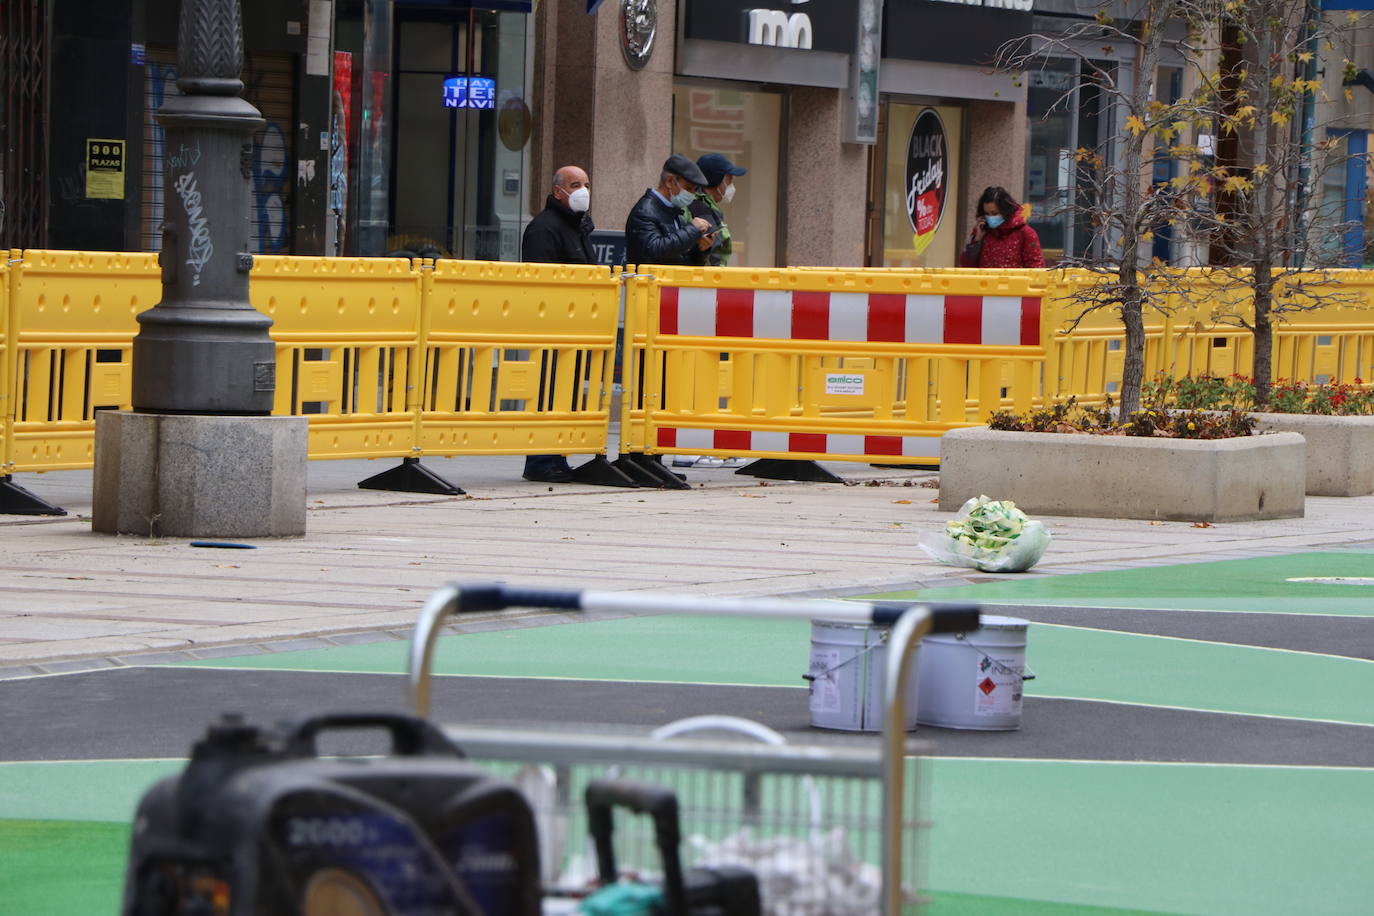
(659, 229)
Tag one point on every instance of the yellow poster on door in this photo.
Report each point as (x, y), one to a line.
(105, 169)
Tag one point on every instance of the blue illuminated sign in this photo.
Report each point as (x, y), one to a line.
(470, 92)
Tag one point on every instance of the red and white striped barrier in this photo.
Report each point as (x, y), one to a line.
(860, 317)
(735, 441)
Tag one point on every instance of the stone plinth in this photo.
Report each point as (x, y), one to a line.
(1212, 480)
(1340, 451)
(162, 475)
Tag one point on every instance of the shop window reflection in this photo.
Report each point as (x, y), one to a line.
(746, 126)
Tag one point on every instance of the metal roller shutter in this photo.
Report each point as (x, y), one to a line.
(269, 82)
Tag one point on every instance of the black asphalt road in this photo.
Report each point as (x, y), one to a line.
(159, 712)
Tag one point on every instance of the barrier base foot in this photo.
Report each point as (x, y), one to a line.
(789, 469)
(410, 476)
(601, 473)
(15, 500)
(646, 471)
(907, 467)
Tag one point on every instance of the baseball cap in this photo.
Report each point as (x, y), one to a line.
(683, 167)
(715, 167)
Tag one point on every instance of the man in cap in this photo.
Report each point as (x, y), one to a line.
(720, 174)
(561, 233)
(659, 230)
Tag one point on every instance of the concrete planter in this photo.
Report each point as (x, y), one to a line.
(1212, 480)
(1340, 450)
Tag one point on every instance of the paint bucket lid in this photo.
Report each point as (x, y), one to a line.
(994, 622)
(849, 624)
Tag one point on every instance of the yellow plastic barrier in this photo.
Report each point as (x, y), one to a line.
(6, 368)
(71, 337)
(348, 350)
(839, 365)
(518, 358)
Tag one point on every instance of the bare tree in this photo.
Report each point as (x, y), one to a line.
(1114, 198)
(1270, 241)
(1245, 166)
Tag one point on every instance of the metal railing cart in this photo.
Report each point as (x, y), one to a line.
(828, 828)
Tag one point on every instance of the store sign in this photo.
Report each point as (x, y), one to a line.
(774, 27)
(1024, 6)
(808, 25)
(927, 177)
(470, 92)
(968, 32)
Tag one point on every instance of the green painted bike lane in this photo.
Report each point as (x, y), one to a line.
(1069, 662)
(1259, 584)
(1010, 836)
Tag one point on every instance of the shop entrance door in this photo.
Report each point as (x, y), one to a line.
(456, 185)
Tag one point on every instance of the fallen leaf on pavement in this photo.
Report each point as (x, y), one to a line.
(1202, 524)
(225, 566)
(902, 502)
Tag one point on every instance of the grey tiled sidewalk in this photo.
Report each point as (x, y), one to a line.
(72, 599)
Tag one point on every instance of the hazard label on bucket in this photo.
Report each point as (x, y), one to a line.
(999, 686)
(825, 687)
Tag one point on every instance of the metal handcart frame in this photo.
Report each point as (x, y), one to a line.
(910, 622)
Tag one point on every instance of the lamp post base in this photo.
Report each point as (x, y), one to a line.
(165, 475)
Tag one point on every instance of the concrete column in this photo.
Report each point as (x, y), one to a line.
(826, 184)
(633, 115)
(997, 135)
(564, 96)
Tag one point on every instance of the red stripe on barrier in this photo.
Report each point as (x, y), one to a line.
(806, 442)
(882, 445)
(667, 437)
(667, 310)
(963, 319)
(734, 313)
(1030, 321)
(887, 317)
(738, 440)
(810, 316)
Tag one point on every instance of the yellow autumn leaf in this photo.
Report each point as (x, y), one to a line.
(1238, 183)
(1134, 124)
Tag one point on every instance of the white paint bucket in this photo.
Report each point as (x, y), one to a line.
(847, 676)
(973, 680)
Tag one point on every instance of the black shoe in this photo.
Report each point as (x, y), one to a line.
(555, 475)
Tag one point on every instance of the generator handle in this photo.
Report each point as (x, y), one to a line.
(411, 736)
(660, 804)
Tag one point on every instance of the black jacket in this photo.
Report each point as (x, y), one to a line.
(557, 235)
(657, 233)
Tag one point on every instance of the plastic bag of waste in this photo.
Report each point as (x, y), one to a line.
(799, 875)
(988, 534)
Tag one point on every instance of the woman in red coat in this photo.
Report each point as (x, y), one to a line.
(1000, 235)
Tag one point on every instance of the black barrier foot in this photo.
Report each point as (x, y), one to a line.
(789, 469)
(907, 467)
(15, 500)
(410, 477)
(647, 472)
(601, 473)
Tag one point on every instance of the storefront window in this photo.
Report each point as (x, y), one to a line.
(1067, 112)
(920, 222)
(746, 127)
(458, 178)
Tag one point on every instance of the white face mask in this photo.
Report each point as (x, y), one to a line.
(728, 195)
(580, 201)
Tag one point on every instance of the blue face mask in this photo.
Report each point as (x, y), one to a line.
(682, 199)
(995, 221)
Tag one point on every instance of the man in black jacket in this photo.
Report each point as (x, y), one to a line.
(561, 233)
(659, 231)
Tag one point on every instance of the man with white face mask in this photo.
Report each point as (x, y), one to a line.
(561, 233)
(659, 229)
(720, 173)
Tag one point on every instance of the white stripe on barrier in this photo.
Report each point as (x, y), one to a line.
(773, 314)
(696, 312)
(925, 318)
(1002, 320)
(848, 316)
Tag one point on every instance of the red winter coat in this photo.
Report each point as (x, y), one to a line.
(1012, 244)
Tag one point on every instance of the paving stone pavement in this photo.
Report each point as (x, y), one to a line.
(71, 599)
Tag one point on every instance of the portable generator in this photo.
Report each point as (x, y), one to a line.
(258, 823)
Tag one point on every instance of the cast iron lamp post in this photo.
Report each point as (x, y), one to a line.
(204, 349)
